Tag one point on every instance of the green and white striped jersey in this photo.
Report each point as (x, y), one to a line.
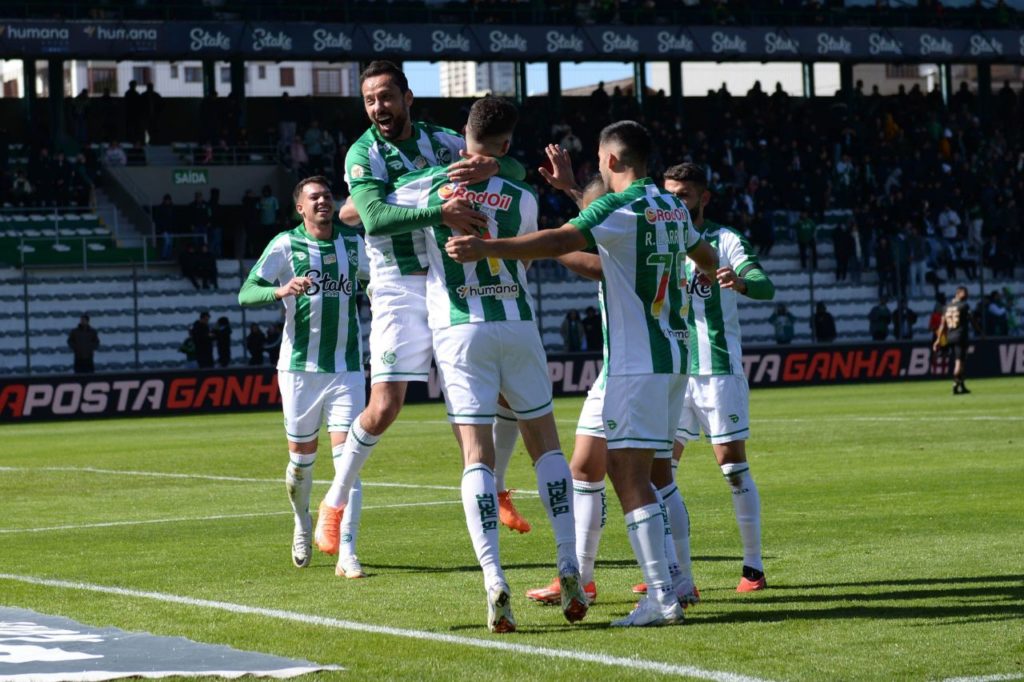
(489, 290)
(373, 161)
(715, 339)
(642, 236)
(321, 328)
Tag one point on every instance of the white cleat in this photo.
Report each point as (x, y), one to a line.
(349, 567)
(649, 613)
(302, 541)
(499, 609)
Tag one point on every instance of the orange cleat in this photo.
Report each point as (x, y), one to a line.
(328, 528)
(640, 588)
(509, 515)
(552, 594)
(686, 599)
(752, 580)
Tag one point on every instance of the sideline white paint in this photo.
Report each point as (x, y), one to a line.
(308, 619)
(216, 517)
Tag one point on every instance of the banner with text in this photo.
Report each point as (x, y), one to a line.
(197, 391)
(340, 42)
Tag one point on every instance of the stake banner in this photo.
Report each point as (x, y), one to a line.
(486, 42)
(32, 398)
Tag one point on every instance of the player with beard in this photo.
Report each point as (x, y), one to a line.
(312, 269)
(642, 237)
(400, 339)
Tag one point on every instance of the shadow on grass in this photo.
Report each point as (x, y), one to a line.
(965, 599)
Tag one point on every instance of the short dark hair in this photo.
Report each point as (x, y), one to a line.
(383, 67)
(632, 138)
(688, 172)
(318, 179)
(491, 117)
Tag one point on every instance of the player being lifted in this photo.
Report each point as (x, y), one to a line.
(486, 342)
(399, 337)
(313, 269)
(642, 237)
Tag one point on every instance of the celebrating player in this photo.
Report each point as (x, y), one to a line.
(486, 341)
(642, 238)
(399, 336)
(313, 269)
(717, 397)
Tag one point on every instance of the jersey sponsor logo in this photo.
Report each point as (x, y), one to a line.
(660, 215)
(396, 164)
(357, 171)
(734, 418)
(330, 287)
(612, 424)
(494, 200)
(699, 287)
(499, 291)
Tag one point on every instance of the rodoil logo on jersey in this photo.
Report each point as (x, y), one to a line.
(331, 288)
(661, 215)
(495, 200)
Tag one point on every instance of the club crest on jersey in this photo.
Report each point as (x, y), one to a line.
(495, 200)
(389, 358)
(444, 155)
(661, 215)
(353, 258)
(357, 171)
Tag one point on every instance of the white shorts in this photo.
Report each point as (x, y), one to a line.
(591, 422)
(479, 360)
(400, 346)
(641, 411)
(717, 405)
(310, 397)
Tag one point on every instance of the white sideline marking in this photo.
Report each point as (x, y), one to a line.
(233, 479)
(986, 678)
(216, 517)
(308, 619)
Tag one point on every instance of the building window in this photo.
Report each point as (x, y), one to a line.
(327, 82)
(261, 72)
(287, 77)
(142, 74)
(193, 74)
(909, 71)
(174, 71)
(102, 78)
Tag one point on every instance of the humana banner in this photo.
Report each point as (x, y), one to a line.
(25, 399)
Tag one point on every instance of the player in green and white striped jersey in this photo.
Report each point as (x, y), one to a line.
(642, 237)
(717, 397)
(486, 343)
(400, 339)
(312, 269)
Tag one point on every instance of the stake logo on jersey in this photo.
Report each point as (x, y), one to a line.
(332, 288)
(715, 339)
(493, 289)
(452, 190)
(321, 330)
(642, 236)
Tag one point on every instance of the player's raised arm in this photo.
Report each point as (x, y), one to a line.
(544, 244)
(348, 213)
(560, 176)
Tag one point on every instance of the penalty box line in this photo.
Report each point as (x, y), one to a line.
(229, 479)
(309, 619)
(214, 517)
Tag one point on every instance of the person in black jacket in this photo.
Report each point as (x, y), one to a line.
(222, 335)
(83, 341)
(824, 324)
(202, 339)
(254, 343)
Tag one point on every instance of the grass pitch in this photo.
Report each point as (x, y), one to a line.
(893, 524)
